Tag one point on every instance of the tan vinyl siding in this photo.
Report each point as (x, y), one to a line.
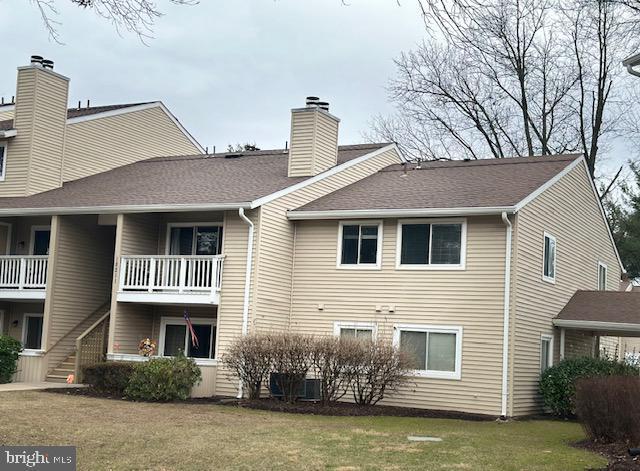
(34, 158)
(136, 234)
(81, 256)
(470, 298)
(569, 211)
(30, 370)
(314, 142)
(98, 145)
(6, 115)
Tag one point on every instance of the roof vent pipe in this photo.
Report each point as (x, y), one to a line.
(47, 64)
(312, 101)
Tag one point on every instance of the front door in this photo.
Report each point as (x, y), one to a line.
(40, 242)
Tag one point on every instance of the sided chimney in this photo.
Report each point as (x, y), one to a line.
(314, 139)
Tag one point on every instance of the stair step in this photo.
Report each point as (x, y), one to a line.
(56, 378)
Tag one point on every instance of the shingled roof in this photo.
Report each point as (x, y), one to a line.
(609, 307)
(218, 179)
(490, 183)
(78, 112)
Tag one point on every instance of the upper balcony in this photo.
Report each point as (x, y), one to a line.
(23, 277)
(169, 279)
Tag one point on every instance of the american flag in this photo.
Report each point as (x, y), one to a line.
(194, 337)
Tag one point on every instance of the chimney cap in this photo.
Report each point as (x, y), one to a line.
(35, 59)
(47, 64)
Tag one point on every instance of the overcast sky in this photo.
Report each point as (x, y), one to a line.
(229, 70)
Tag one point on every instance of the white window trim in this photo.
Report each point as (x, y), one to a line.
(31, 351)
(606, 274)
(164, 321)
(3, 177)
(339, 325)
(32, 241)
(550, 353)
(439, 329)
(360, 266)
(440, 267)
(171, 225)
(550, 279)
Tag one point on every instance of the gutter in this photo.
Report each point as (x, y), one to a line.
(505, 326)
(247, 281)
(399, 213)
(630, 63)
(596, 325)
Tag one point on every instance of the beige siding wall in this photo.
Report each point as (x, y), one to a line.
(21, 229)
(6, 114)
(470, 298)
(98, 145)
(14, 316)
(570, 212)
(207, 386)
(30, 369)
(136, 234)
(314, 142)
(276, 242)
(79, 282)
(34, 158)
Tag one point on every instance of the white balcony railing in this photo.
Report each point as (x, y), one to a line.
(171, 274)
(23, 272)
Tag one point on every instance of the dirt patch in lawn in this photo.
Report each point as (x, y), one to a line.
(617, 454)
(340, 409)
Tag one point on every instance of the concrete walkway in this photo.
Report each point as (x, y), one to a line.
(36, 386)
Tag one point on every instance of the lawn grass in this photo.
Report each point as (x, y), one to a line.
(123, 435)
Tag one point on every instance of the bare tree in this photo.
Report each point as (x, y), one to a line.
(136, 16)
(503, 78)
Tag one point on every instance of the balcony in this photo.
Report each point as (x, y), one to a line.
(23, 277)
(170, 279)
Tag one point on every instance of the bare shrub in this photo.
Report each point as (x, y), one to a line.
(291, 361)
(380, 369)
(609, 409)
(335, 361)
(249, 359)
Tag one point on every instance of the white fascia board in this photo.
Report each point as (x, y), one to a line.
(596, 325)
(8, 133)
(7, 107)
(132, 109)
(398, 213)
(148, 208)
(321, 176)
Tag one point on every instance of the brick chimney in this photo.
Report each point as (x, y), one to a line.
(314, 139)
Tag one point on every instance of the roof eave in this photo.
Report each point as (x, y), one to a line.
(399, 213)
(596, 325)
(145, 208)
(8, 133)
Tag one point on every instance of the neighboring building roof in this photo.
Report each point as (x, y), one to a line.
(78, 112)
(220, 179)
(490, 183)
(608, 310)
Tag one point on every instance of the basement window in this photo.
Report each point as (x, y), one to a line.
(431, 244)
(436, 351)
(176, 338)
(357, 330)
(360, 245)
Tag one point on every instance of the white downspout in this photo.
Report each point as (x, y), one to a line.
(505, 327)
(247, 282)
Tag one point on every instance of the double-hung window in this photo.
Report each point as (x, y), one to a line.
(431, 244)
(357, 330)
(549, 258)
(195, 239)
(602, 276)
(359, 245)
(175, 337)
(32, 332)
(546, 352)
(435, 351)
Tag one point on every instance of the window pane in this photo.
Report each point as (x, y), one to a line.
(442, 352)
(203, 333)
(602, 278)
(2, 149)
(414, 344)
(544, 354)
(549, 257)
(208, 240)
(364, 334)
(174, 339)
(33, 338)
(415, 244)
(369, 231)
(41, 242)
(350, 244)
(347, 332)
(368, 250)
(181, 241)
(446, 242)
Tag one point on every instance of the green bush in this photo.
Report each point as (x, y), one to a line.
(109, 378)
(163, 379)
(557, 384)
(10, 350)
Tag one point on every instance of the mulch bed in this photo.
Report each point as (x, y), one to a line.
(616, 453)
(343, 409)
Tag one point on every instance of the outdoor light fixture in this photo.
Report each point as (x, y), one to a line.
(633, 64)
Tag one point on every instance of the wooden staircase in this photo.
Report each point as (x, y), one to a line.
(61, 372)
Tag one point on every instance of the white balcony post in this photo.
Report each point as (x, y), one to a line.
(123, 268)
(152, 274)
(23, 273)
(183, 273)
